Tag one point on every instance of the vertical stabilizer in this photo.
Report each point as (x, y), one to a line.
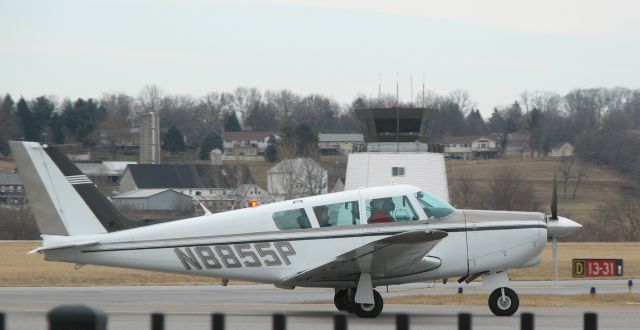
(55, 202)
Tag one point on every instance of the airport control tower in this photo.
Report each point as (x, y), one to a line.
(397, 151)
(395, 129)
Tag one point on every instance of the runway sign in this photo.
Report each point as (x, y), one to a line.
(597, 267)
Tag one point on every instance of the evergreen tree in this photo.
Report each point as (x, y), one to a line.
(28, 125)
(57, 129)
(42, 109)
(231, 123)
(271, 151)
(81, 118)
(474, 123)
(307, 141)
(7, 127)
(534, 126)
(173, 141)
(210, 142)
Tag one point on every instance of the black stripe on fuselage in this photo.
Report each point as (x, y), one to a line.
(315, 237)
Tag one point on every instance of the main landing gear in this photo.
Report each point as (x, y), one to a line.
(503, 302)
(344, 300)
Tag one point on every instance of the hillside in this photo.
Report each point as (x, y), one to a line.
(600, 185)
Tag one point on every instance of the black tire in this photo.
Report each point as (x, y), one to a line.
(343, 302)
(370, 311)
(506, 307)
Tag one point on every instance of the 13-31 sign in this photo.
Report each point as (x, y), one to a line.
(597, 267)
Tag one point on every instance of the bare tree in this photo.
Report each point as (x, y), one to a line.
(509, 191)
(18, 224)
(149, 99)
(312, 178)
(625, 214)
(464, 192)
(582, 173)
(564, 167)
(243, 186)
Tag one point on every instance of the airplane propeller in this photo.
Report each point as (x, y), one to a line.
(558, 227)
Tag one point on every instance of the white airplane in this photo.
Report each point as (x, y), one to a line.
(351, 241)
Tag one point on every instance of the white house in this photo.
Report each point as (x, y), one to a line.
(246, 143)
(470, 147)
(424, 170)
(292, 178)
(562, 150)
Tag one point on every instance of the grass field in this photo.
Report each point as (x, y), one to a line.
(600, 186)
(20, 269)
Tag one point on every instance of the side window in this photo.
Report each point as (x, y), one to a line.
(390, 209)
(339, 214)
(397, 171)
(291, 219)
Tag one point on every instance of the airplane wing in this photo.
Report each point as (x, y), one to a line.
(394, 256)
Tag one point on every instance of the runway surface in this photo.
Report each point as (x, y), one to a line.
(251, 306)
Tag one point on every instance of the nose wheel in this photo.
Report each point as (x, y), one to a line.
(503, 302)
(344, 301)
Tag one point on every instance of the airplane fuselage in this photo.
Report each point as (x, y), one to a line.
(247, 244)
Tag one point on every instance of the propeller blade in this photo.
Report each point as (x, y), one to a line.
(554, 252)
(554, 199)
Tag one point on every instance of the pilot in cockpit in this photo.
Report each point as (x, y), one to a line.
(322, 214)
(381, 209)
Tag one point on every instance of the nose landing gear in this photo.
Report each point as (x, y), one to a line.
(503, 302)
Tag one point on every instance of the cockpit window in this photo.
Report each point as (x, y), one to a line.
(389, 209)
(291, 219)
(338, 214)
(432, 206)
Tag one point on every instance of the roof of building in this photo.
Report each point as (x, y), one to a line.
(353, 137)
(10, 179)
(147, 176)
(464, 138)
(103, 168)
(145, 193)
(246, 135)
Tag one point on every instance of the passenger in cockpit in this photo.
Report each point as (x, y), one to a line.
(322, 214)
(381, 209)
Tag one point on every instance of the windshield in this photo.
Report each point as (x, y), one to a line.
(432, 206)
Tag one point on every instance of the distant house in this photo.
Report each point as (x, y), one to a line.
(293, 178)
(246, 143)
(153, 200)
(11, 190)
(517, 143)
(215, 186)
(103, 172)
(333, 144)
(470, 147)
(565, 149)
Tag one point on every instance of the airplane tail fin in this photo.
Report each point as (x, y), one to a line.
(63, 200)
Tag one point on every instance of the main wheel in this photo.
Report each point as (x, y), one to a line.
(369, 310)
(343, 301)
(503, 306)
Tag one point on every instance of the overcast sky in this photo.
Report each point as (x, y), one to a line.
(495, 49)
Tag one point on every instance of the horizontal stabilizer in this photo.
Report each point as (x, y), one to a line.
(62, 246)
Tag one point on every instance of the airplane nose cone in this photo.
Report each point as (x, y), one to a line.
(561, 227)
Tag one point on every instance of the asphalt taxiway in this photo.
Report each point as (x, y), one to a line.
(251, 306)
